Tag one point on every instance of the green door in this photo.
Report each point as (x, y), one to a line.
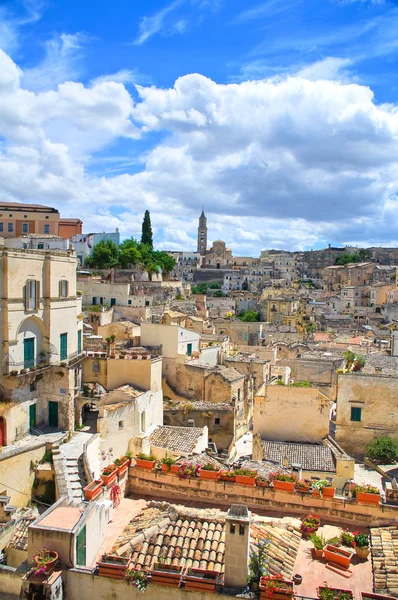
(79, 342)
(29, 353)
(63, 343)
(189, 349)
(53, 414)
(81, 547)
(113, 301)
(32, 416)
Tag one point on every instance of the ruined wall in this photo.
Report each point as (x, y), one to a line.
(376, 395)
(318, 371)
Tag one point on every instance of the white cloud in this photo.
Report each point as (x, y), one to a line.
(150, 26)
(288, 163)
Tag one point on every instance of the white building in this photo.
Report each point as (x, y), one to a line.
(98, 292)
(85, 243)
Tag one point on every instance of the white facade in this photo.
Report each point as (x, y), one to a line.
(85, 243)
(41, 313)
(173, 339)
(97, 292)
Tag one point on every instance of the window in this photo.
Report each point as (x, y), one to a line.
(238, 394)
(121, 424)
(63, 346)
(25, 227)
(10, 227)
(32, 293)
(47, 228)
(356, 414)
(217, 421)
(79, 341)
(1, 226)
(63, 288)
(143, 421)
(232, 528)
(95, 367)
(46, 217)
(241, 529)
(191, 423)
(113, 301)
(40, 246)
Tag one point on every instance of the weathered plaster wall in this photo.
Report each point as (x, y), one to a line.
(286, 413)
(319, 372)
(15, 474)
(113, 373)
(377, 397)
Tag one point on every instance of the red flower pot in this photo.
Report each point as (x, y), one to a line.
(328, 492)
(369, 498)
(213, 475)
(123, 467)
(109, 479)
(245, 480)
(336, 590)
(93, 489)
(50, 564)
(226, 478)
(145, 464)
(337, 555)
(287, 486)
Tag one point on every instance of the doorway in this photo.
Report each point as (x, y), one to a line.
(32, 416)
(81, 547)
(53, 414)
(3, 432)
(29, 353)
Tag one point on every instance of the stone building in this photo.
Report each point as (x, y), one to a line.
(18, 219)
(41, 333)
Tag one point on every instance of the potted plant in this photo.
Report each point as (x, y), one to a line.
(347, 538)
(324, 487)
(167, 463)
(257, 564)
(310, 524)
(139, 579)
(122, 464)
(262, 481)
(93, 489)
(201, 580)
(113, 566)
(329, 593)
(13, 373)
(361, 545)
(228, 476)
(188, 471)
(108, 474)
(145, 461)
(276, 587)
(166, 574)
(245, 477)
(209, 471)
(337, 555)
(303, 486)
(283, 481)
(319, 543)
(45, 560)
(365, 493)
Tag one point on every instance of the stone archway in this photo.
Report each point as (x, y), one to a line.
(90, 413)
(3, 432)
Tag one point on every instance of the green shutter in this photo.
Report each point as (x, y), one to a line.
(79, 341)
(356, 414)
(81, 547)
(63, 342)
(29, 353)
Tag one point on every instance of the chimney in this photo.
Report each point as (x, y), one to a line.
(237, 544)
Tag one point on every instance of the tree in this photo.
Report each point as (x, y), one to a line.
(359, 362)
(105, 255)
(165, 261)
(250, 316)
(128, 257)
(146, 237)
(349, 358)
(383, 450)
(311, 328)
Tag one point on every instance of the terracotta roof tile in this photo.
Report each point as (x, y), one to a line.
(177, 439)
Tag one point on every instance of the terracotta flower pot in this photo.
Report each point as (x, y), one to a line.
(145, 464)
(50, 564)
(287, 486)
(113, 567)
(336, 590)
(213, 475)
(328, 492)
(109, 479)
(245, 480)
(337, 555)
(318, 554)
(316, 493)
(303, 490)
(362, 552)
(93, 489)
(226, 478)
(370, 498)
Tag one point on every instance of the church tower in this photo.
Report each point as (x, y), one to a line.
(202, 234)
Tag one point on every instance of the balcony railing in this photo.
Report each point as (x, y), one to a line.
(39, 363)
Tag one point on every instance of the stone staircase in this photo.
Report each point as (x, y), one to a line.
(69, 467)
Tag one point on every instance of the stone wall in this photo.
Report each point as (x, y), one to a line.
(10, 582)
(376, 396)
(16, 473)
(169, 487)
(319, 372)
(221, 432)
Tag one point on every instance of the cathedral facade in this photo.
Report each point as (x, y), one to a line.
(219, 256)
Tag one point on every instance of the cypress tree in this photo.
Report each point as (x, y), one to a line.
(146, 236)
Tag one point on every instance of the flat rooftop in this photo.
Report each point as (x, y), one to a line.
(63, 518)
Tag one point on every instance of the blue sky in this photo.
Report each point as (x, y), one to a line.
(280, 117)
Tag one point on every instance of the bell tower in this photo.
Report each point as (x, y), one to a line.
(202, 234)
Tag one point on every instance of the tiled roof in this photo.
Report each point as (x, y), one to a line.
(384, 542)
(311, 457)
(387, 364)
(177, 439)
(229, 373)
(195, 538)
(202, 459)
(198, 405)
(19, 540)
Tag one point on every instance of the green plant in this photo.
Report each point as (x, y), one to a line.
(143, 456)
(279, 382)
(230, 474)
(275, 476)
(47, 457)
(276, 584)
(327, 593)
(208, 467)
(168, 461)
(128, 454)
(363, 489)
(188, 470)
(258, 561)
(347, 538)
(319, 485)
(360, 539)
(310, 524)
(383, 450)
(79, 426)
(245, 472)
(302, 384)
(109, 470)
(334, 541)
(138, 578)
(318, 541)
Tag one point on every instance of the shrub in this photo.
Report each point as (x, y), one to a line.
(318, 541)
(360, 539)
(383, 450)
(257, 562)
(275, 476)
(143, 456)
(209, 467)
(168, 461)
(347, 538)
(245, 472)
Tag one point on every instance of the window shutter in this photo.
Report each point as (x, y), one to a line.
(60, 289)
(25, 295)
(37, 284)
